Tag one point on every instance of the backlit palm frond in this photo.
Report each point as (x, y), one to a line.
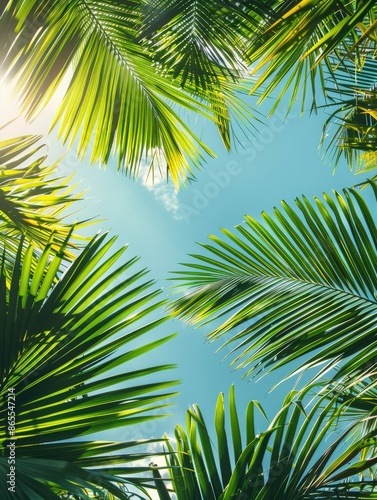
(286, 461)
(202, 45)
(116, 103)
(66, 343)
(355, 100)
(294, 50)
(33, 200)
(300, 284)
(368, 161)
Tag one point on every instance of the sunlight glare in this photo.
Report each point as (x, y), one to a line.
(8, 103)
(12, 117)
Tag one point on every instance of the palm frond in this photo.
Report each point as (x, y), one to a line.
(294, 51)
(284, 462)
(354, 99)
(200, 43)
(63, 339)
(33, 200)
(358, 397)
(117, 101)
(300, 284)
(202, 46)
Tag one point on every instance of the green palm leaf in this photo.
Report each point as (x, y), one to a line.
(354, 99)
(296, 49)
(200, 42)
(359, 396)
(299, 284)
(202, 45)
(117, 101)
(63, 339)
(33, 200)
(287, 461)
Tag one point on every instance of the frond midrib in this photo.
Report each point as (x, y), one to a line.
(285, 279)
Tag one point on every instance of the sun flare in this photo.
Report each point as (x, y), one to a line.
(9, 107)
(12, 120)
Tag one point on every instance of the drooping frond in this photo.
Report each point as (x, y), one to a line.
(115, 101)
(309, 37)
(355, 116)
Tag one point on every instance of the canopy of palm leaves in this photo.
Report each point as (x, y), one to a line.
(123, 85)
(330, 45)
(130, 66)
(287, 461)
(300, 283)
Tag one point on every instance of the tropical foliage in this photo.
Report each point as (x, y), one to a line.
(328, 45)
(305, 42)
(354, 100)
(297, 286)
(32, 199)
(286, 461)
(129, 67)
(116, 101)
(301, 282)
(68, 320)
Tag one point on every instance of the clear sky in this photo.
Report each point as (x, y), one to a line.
(162, 226)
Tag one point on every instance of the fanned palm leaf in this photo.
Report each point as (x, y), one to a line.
(285, 462)
(58, 345)
(33, 200)
(300, 283)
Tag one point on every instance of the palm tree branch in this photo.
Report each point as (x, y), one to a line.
(301, 283)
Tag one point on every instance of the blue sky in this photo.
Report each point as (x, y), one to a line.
(162, 226)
